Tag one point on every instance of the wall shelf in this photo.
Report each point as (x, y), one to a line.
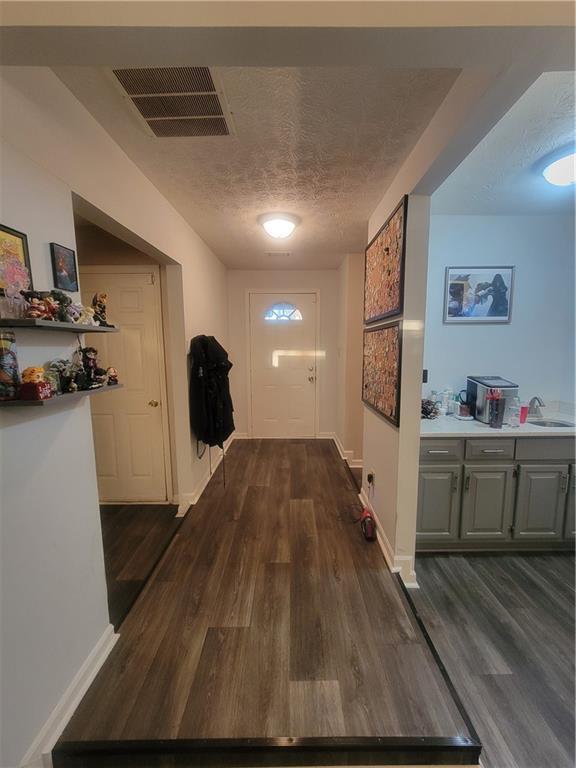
(54, 325)
(67, 397)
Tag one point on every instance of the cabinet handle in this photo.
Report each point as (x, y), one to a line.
(455, 483)
(467, 483)
(492, 450)
(564, 484)
(438, 451)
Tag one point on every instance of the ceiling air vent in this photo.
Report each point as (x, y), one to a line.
(278, 254)
(177, 101)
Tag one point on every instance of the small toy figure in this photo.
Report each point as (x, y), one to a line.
(94, 375)
(63, 302)
(9, 376)
(34, 386)
(112, 374)
(87, 316)
(99, 306)
(43, 309)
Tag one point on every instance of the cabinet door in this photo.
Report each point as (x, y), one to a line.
(570, 524)
(487, 502)
(438, 503)
(541, 501)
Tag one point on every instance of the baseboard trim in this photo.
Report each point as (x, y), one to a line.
(39, 755)
(347, 456)
(189, 499)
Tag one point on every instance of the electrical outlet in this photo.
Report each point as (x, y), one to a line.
(370, 478)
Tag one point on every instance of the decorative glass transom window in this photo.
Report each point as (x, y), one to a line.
(283, 312)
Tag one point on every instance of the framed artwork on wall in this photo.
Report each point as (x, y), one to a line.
(384, 268)
(479, 295)
(64, 269)
(15, 270)
(381, 370)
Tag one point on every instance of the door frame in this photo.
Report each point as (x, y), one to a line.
(156, 271)
(312, 291)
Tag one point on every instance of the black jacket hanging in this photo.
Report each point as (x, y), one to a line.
(211, 406)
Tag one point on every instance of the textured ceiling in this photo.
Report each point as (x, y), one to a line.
(321, 143)
(503, 174)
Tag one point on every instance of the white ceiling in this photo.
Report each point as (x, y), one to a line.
(318, 142)
(503, 174)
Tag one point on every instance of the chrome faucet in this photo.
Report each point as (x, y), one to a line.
(534, 407)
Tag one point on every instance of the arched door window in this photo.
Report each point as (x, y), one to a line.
(282, 312)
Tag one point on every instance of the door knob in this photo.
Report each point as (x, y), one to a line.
(153, 403)
(310, 378)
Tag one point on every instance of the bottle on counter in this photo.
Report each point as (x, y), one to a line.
(514, 412)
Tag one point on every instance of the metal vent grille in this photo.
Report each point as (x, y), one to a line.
(138, 82)
(277, 254)
(203, 126)
(177, 101)
(193, 105)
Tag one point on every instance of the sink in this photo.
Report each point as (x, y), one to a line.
(551, 423)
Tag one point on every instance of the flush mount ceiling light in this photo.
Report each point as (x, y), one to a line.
(279, 225)
(561, 172)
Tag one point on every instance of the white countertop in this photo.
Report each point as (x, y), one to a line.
(448, 426)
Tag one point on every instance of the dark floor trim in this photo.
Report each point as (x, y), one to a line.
(284, 751)
(443, 671)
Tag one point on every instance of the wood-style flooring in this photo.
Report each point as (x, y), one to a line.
(269, 615)
(134, 538)
(504, 628)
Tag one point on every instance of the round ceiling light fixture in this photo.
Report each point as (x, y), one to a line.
(279, 225)
(561, 172)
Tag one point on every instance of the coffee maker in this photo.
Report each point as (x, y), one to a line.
(477, 388)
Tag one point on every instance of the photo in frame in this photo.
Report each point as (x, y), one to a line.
(384, 268)
(64, 269)
(15, 270)
(381, 370)
(480, 295)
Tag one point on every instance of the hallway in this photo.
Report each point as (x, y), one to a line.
(268, 616)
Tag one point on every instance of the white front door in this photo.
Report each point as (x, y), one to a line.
(283, 364)
(128, 424)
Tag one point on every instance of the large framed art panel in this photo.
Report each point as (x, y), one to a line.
(384, 268)
(381, 370)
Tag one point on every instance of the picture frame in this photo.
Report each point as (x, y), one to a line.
(478, 295)
(384, 263)
(14, 244)
(64, 268)
(382, 370)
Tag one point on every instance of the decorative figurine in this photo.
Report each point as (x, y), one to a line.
(34, 386)
(9, 376)
(63, 302)
(94, 375)
(87, 316)
(99, 306)
(43, 309)
(112, 376)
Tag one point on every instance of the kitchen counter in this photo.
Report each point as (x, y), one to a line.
(448, 426)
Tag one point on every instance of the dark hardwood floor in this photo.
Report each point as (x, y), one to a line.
(269, 616)
(504, 628)
(134, 536)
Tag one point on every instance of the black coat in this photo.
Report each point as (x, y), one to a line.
(211, 406)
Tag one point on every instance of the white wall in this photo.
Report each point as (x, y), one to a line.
(536, 350)
(326, 281)
(53, 599)
(350, 420)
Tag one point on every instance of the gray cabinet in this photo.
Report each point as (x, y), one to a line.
(487, 502)
(541, 501)
(570, 524)
(438, 502)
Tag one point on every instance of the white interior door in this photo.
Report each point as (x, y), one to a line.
(283, 364)
(128, 424)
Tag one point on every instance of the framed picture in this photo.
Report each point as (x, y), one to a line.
(478, 294)
(14, 255)
(384, 268)
(381, 370)
(64, 268)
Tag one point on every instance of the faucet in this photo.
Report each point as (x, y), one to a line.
(534, 407)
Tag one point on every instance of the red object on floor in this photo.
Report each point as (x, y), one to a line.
(368, 525)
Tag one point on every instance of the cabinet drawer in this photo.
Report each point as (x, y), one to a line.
(545, 448)
(441, 450)
(485, 448)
